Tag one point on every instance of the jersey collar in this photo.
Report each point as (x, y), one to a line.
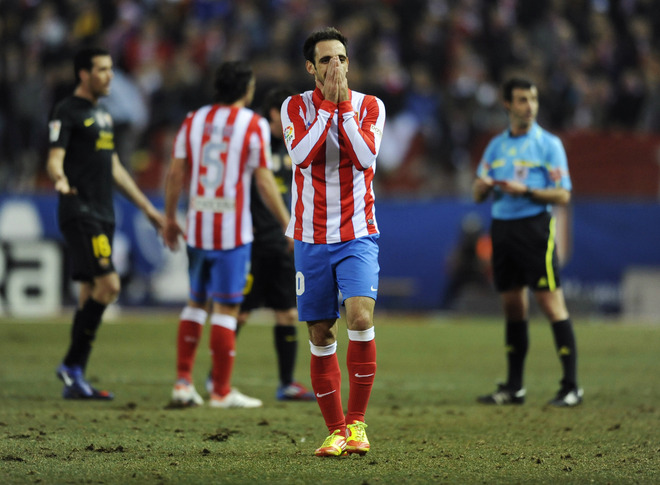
(531, 131)
(317, 97)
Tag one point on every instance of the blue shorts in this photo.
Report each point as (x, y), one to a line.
(323, 271)
(218, 275)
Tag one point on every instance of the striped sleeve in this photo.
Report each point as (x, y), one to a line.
(362, 139)
(180, 146)
(304, 143)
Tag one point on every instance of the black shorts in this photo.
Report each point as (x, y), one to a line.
(89, 247)
(524, 253)
(271, 282)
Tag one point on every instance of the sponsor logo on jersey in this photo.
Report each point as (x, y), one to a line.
(376, 131)
(88, 122)
(105, 141)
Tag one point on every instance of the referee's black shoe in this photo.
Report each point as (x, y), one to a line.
(504, 395)
(567, 397)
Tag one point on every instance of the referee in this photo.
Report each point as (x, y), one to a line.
(526, 170)
(83, 164)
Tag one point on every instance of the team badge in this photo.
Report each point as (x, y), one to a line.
(54, 128)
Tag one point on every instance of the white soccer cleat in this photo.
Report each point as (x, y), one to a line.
(185, 395)
(235, 399)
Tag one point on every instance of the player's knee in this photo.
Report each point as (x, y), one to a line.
(286, 318)
(360, 321)
(106, 290)
(321, 333)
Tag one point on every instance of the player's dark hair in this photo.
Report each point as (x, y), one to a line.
(231, 81)
(274, 99)
(329, 33)
(515, 83)
(84, 59)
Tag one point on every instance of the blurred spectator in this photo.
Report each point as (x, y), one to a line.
(469, 264)
(435, 64)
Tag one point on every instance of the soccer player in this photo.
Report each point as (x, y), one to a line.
(526, 171)
(271, 282)
(220, 146)
(333, 135)
(83, 164)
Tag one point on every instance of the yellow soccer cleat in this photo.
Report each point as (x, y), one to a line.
(357, 441)
(333, 445)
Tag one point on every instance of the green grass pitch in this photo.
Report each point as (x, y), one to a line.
(424, 423)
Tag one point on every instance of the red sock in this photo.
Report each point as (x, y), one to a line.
(361, 363)
(223, 344)
(186, 348)
(326, 382)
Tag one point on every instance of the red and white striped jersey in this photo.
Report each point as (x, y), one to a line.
(334, 149)
(222, 145)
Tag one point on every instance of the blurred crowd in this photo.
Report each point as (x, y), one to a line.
(436, 64)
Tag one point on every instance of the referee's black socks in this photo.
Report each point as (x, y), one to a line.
(567, 351)
(517, 343)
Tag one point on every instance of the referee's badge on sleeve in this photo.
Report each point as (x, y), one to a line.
(54, 128)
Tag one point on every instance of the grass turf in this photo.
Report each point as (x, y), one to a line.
(424, 423)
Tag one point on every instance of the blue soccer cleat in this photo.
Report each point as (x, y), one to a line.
(76, 387)
(294, 392)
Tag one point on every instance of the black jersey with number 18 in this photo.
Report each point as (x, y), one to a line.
(85, 131)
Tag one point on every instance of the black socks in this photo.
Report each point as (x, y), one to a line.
(286, 345)
(517, 343)
(86, 322)
(567, 352)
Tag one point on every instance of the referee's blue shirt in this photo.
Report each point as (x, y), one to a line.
(537, 159)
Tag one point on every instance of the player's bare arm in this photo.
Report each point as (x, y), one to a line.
(481, 188)
(271, 196)
(55, 169)
(173, 188)
(129, 188)
(553, 195)
(557, 196)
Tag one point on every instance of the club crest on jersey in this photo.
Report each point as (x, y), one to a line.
(289, 134)
(54, 128)
(103, 119)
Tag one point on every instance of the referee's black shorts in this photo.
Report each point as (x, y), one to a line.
(524, 253)
(271, 282)
(89, 244)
